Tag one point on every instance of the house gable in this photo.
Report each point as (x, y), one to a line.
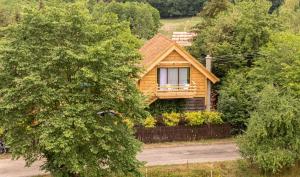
(187, 57)
(161, 52)
(174, 57)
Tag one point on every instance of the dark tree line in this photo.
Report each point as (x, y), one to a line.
(172, 8)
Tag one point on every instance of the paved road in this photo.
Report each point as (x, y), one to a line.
(190, 154)
(153, 156)
(16, 168)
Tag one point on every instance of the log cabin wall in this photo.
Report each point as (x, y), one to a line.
(195, 75)
(148, 84)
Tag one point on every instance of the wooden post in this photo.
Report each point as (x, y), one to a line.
(208, 60)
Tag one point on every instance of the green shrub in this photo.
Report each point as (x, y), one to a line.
(212, 117)
(128, 122)
(237, 98)
(272, 138)
(1, 132)
(150, 122)
(194, 118)
(171, 119)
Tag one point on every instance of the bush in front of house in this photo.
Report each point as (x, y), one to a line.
(194, 118)
(212, 117)
(149, 122)
(1, 131)
(171, 119)
(199, 118)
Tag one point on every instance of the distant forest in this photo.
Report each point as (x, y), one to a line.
(185, 8)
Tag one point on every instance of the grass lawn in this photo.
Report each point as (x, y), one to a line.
(178, 24)
(220, 169)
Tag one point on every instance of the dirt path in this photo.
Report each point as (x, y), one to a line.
(197, 153)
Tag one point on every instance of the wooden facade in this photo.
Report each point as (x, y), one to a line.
(160, 53)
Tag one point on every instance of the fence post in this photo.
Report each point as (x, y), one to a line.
(208, 60)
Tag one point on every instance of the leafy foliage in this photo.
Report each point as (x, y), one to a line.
(194, 118)
(199, 118)
(149, 122)
(237, 98)
(171, 119)
(272, 138)
(143, 18)
(213, 7)
(59, 68)
(212, 117)
(177, 8)
(235, 36)
(290, 13)
(173, 8)
(279, 63)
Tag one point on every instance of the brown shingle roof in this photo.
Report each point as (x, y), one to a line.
(155, 47)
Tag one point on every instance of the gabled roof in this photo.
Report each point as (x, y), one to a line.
(159, 47)
(154, 47)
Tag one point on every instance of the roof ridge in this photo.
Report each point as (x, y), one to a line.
(149, 42)
(165, 37)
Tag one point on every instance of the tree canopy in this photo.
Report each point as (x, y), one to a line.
(59, 68)
(235, 35)
(265, 97)
(272, 138)
(143, 18)
(177, 8)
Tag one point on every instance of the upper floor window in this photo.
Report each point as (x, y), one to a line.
(173, 76)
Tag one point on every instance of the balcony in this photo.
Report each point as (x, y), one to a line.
(176, 91)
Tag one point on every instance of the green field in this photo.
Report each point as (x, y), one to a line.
(178, 24)
(220, 169)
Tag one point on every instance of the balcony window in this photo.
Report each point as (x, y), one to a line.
(173, 78)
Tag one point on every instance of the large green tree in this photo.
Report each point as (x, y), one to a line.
(271, 140)
(237, 98)
(235, 35)
(59, 68)
(144, 20)
(278, 63)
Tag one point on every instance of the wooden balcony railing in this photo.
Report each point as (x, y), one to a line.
(176, 91)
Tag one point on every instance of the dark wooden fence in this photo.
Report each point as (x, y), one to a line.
(182, 133)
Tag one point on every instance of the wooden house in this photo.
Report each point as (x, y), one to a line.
(170, 72)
